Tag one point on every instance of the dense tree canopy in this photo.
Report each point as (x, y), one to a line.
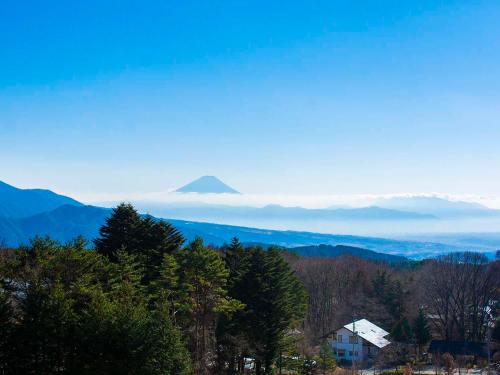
(74, 312)
(274, 302)
(141, 303)
(203, 283)
(145, 237)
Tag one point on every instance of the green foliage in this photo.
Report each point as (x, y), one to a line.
(274, 300)
(391, 294)
(149, 240)
(158, 239)
(326, 358)
(231, 342)
(204, 296)
(401, 332)
(421, 331)
(275, 303)
(166, 289)
(138, 302)
(120, 232)
(236, 259)
(170, 355)
(322, 363)
(76, 313)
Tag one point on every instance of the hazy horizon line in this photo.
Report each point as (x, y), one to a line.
(260, 200)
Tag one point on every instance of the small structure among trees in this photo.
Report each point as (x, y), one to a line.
(359, 341)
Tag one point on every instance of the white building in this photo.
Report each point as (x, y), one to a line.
(359, 341)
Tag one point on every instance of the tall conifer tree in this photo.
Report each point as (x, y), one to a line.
(203, 280)
(421, 331)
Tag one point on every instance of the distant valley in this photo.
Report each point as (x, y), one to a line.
(196, 211)
(67, 222)
(63, 218)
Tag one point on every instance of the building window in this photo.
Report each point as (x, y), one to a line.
(339, 338)
(341, 352)
(353, 339)
(350, 354)
(355, 354)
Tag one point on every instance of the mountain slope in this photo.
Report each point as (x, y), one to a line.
(17, 203)
(207, 184)
(62, 224)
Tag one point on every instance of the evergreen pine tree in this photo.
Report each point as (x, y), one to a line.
(391, 295)
(168, 354)
(203, 279)
(235, 258)
(77, 313)
(149, 240)
(401, 332)
(231, 341)
(120, 232)
(421, 331)
(326, 358)
(275, 301)
(157, 238)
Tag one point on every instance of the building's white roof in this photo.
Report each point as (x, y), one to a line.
(369, 332)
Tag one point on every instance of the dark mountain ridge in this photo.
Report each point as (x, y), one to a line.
(15, 202)
(329, 251)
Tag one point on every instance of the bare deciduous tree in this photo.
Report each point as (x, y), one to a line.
(460, 289)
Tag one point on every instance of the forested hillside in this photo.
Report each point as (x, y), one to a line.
(142, 300)
(329, 251)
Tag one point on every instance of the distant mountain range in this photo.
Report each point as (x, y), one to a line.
(67, 222)
(207, 184)
(437, 207)
(221, 213)
(401, 209)
(27, 213)
(16, 202)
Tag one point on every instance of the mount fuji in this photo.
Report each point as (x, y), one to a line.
(206, 185)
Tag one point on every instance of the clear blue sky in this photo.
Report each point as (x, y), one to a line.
(330, 97)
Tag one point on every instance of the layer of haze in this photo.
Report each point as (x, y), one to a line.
(299, 98)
